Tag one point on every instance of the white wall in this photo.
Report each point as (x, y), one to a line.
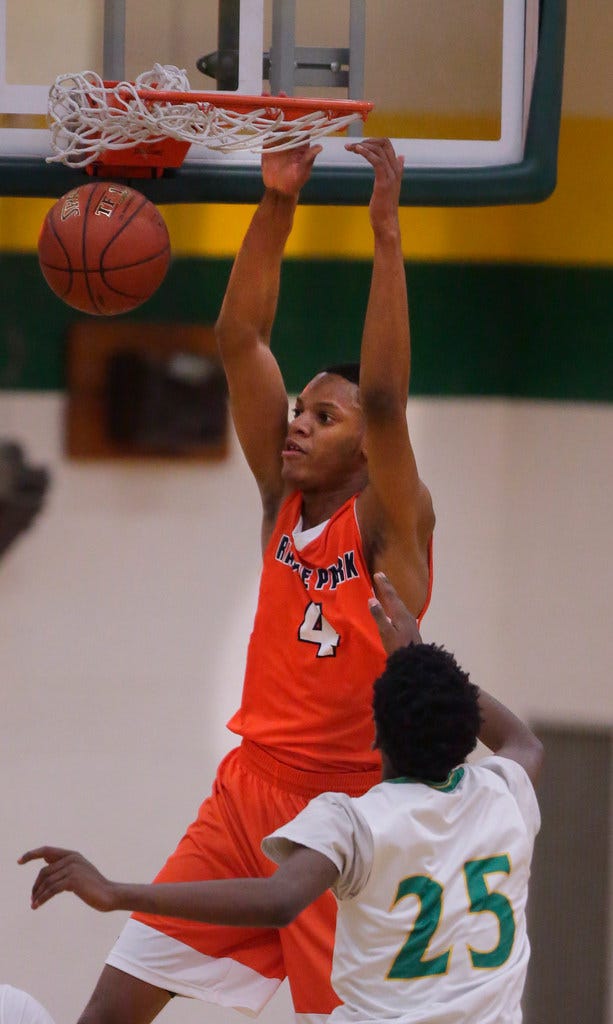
(125, 614)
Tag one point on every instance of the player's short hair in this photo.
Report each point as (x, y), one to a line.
(350, 371)
(426, 712)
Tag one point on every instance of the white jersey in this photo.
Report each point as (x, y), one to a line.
(432, 889)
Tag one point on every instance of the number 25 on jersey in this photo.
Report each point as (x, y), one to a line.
(412, 960)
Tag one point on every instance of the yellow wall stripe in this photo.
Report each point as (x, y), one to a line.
(572, 227)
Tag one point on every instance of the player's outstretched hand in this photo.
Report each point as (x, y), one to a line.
(288, 170)
(397, 627)
(388, 167)
(68, 871)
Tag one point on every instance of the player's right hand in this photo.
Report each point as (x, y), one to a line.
(287, 171)
(397, 627)
(68, 871)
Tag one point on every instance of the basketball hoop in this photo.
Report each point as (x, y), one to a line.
(139, 128)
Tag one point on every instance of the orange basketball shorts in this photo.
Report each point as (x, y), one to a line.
(253, 794)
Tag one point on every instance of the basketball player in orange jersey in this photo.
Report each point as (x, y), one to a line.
(341, 499)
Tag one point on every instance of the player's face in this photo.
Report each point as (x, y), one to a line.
(324, 445)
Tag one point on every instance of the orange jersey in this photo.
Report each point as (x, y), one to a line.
(314, 651)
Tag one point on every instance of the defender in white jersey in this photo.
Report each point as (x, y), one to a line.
(432, 885)
(430, 867)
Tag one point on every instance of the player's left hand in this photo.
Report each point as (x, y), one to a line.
(397, 627)
(388, 167)
(68, 871)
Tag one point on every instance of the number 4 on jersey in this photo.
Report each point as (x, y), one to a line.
(315, 629)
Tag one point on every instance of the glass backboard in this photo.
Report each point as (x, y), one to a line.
(469, 91)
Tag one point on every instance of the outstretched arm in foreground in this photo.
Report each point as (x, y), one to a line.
(501, 730)
(257, 393)
(251, 902)
(396, 508)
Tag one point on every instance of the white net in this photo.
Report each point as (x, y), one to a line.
(86, 118)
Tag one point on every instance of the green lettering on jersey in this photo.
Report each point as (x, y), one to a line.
(483, 901)
(411, 961)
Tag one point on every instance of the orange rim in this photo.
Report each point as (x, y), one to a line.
(292, 106)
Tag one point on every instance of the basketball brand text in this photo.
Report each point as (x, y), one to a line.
(70, 206)
(112, 198)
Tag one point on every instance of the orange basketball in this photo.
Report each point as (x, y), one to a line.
(104, 248)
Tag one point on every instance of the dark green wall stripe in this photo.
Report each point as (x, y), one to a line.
(478, 329)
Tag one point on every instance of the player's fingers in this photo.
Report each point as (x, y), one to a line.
(367, 148)
(377, 151)
(391, 164)
(313, 152)
(41, 881)
(51, 871)
(48, 853)
(387, 153)
(385, 627)
(381, 156)
(401, 618)
(59, 869)
(298, 152)
(45, 888)
(388, 596)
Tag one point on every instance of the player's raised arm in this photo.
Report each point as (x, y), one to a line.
(506, 735)
(396, 505)
(257, 393)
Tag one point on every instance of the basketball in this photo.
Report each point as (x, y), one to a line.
(104, 248)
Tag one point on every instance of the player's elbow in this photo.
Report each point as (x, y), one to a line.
(535, 756)
(283, 918)
(383, 404)
(524, 747)
(227, 333)
(235, 337)
(285, 898)
(283, 909)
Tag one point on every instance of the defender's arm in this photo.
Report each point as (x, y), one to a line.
(251, 902)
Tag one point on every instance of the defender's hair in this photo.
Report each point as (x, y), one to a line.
(350, 371)
(426, 712)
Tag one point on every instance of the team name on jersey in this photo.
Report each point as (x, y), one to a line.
(324, 578)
